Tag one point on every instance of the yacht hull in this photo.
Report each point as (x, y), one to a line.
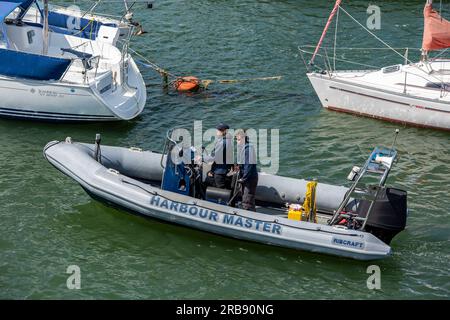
(50, 102)
(58, 101)
(339, 95)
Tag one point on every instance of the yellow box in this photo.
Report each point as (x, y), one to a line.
(295, 214)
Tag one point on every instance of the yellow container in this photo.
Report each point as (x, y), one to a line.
(295, 212)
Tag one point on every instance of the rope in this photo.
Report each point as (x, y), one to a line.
(343, 60)
(90, 11)
(359, 48)
(335, 39)
(375, 36)
(206, 83)
(152, 65)
(440, 54)
(387, 45)
(91, 21)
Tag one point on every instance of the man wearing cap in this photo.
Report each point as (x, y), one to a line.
(248, 172)
(222, 156)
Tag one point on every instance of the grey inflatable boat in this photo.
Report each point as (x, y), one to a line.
(356, 222)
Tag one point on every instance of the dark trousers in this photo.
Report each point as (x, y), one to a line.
(249, 193)
(220, 180)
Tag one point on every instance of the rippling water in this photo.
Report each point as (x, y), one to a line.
(48, 222)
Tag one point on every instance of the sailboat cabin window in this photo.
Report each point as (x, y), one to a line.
(438, 85)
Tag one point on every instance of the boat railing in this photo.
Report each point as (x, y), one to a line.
(328, 67)
(125, 56)
(354, 71)
(169, 143)
(87, 13)
(65, 72)
(329, 62)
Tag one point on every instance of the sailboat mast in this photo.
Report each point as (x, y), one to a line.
(45, 29)
(324, 32)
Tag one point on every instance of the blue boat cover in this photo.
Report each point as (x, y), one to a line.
(57, 21)
(31, 66)
(8, 6)
(88, 28)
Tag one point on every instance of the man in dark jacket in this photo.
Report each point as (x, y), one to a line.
(248, 173)
(221, 156)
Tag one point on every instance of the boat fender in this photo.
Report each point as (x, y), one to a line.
(134, 149)
(187, 84)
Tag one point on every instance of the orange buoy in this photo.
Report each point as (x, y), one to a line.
(187, 84)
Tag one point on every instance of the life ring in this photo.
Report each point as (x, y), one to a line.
(187, 84)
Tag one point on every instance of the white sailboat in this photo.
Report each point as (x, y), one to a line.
(416, 94)
(53, 76)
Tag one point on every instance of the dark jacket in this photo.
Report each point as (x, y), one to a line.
(247, 162)
(222, 155)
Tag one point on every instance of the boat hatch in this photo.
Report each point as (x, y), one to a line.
(391, 69)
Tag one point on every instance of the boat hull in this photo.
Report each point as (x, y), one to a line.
(75, 160)
(57, 101)
(339, 95)
(49, 101)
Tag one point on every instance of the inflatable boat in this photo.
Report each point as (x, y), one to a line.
(356, 222)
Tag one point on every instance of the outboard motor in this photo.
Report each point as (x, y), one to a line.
(388, 215)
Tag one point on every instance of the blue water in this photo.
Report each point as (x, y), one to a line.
(48, 222)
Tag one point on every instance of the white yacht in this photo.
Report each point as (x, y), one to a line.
(412, 93)
(47, 75)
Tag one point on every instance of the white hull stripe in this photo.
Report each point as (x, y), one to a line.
(51, 116)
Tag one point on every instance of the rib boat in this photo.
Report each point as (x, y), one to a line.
(356, 222)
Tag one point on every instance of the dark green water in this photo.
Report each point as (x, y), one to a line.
(48, 222)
